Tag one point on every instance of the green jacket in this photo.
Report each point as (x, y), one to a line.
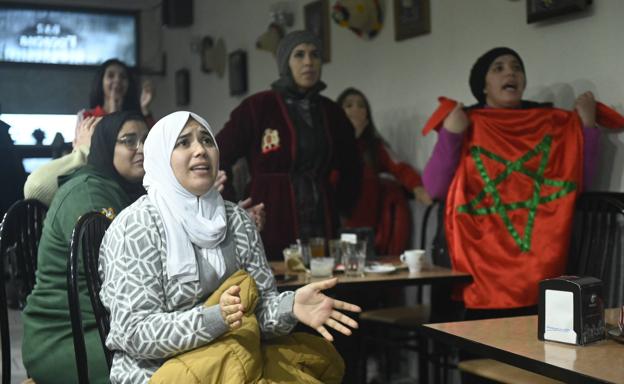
(47, 349)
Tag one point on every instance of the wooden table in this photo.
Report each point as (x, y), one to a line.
(401, 277)
(514, 341)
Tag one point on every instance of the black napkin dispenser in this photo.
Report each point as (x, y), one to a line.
(571, 310)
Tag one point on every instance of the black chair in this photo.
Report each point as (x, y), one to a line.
(396, 328)
(86, 240)
(20, 232)
(597, 243)
(596, 249)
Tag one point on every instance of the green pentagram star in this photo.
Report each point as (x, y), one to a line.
(502, 208)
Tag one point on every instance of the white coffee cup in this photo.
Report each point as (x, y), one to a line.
(414, 258)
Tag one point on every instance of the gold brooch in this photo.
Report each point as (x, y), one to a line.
(108, 212)
(270, 141)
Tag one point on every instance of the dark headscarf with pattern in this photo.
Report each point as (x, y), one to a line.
(286, 83)
(102, 150)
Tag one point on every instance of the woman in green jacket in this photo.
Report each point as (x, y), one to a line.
(111, 180)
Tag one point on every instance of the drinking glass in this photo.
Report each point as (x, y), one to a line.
(354, 257)
(335, 250)
(304, 249)
(317, 247)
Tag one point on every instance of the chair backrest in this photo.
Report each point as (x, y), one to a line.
(20, 232)
(597, 242)
(86, 240)
(424, 226)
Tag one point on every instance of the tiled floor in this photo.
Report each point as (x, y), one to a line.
(18, 373)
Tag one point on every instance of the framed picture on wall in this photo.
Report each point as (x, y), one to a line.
(316, 19)
(237, 67)
(538, 10)
(411, 18)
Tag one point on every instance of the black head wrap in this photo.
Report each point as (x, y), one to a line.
(102, 150)
(480, 68)
(284, 49)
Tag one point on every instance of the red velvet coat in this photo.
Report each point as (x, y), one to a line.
(261, 130)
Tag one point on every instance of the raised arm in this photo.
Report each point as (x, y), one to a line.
(442, 164)
(585, 106)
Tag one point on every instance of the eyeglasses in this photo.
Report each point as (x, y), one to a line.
(131, 142)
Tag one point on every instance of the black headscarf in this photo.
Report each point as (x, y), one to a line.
(102, 150)
(479, 71)
(482, 65)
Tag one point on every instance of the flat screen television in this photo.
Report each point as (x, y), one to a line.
(68, 36)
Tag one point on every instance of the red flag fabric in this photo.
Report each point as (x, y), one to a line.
(95, 112)
(510, 205)
(435, 121)
(605, 116)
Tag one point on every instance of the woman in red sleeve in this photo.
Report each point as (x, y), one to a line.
(382, 204)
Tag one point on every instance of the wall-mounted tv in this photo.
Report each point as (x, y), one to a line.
(68, 36)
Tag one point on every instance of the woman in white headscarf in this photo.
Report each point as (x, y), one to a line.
(165, 254)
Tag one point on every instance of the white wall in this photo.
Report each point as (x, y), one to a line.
(402, 79)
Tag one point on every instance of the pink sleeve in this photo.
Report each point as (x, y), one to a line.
(442, 164)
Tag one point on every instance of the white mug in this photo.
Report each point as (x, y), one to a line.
(414, 258)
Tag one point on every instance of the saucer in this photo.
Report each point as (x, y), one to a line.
(379, 269)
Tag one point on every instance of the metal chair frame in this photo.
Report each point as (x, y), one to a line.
(86, 240)
(20, 233)
(597, 242)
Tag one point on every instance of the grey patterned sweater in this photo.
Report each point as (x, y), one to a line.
(152, 317)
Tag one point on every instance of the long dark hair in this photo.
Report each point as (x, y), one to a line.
(369, 136)
(131, 100)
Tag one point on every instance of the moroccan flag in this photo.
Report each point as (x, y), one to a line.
(510, 205)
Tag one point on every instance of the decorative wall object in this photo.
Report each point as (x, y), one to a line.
(270, 38)
(237, 66)
(363, 17)
(282, 16)
(282, 13)
(213, 56)
(183, 87)
(544, 9)
(316, 19)
(411, 18)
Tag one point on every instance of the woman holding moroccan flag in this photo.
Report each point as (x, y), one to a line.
(509, 171)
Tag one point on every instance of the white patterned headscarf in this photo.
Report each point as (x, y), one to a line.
(187, 219)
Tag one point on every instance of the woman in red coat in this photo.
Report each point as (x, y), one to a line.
(382, 204)
(292, 137)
